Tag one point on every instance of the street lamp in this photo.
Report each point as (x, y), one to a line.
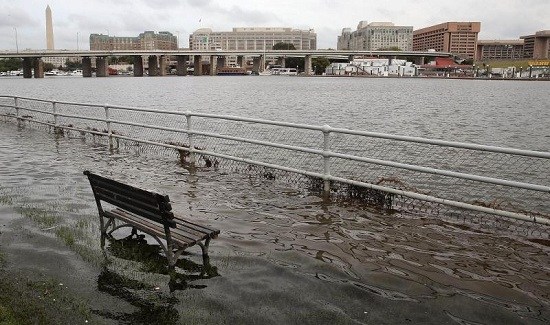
(16, 42)
(77, 45)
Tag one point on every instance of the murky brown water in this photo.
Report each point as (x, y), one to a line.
(283, 256)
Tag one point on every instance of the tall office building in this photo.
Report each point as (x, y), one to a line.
(459, 38)
(49, 29)
(376, 36)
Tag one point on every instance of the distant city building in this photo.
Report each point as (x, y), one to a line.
(499, 49)
(376, 36)
(147, 40)
(252, 38)
(49, 29)
(537, 46)
(459, 38)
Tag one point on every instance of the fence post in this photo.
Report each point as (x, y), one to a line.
(190, 136)
(326, 159)
(54, 110)
(16, 100)
(108, 122)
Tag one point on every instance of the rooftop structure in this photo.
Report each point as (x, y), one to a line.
(459, 38)
(537, 46)
(376, 36)
(252, 38)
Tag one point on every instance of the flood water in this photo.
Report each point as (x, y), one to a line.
(284, 256)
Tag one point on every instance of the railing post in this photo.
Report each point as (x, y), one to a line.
(54, 110)
(326, 159)
(108, 122)
(16, 101)
(190, 136)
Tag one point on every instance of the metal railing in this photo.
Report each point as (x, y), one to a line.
(387, 170)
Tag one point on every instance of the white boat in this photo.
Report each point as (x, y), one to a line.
(76, 73)
(54, 72)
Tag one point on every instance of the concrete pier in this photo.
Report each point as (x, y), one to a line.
(213, 65)
(27, 67)
(240, 61)
(197, 65)
(38, 65)
(153, 66)
(181, 68)
(138, 66)
(256, 64)
(101, 67)
(163, 65)
(221, 61)
(307, 65)
(86, 67)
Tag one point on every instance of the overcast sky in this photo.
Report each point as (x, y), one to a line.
(500, 19)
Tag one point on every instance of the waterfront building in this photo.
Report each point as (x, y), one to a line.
(376, 36)
(459, 38)
(537, 46)
(372, 67)
(147, 40)
(252, 38)
(499, 49)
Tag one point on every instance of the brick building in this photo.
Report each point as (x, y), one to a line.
(459, 38)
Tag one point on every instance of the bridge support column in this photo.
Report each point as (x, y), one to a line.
(221, 61)
(240, 61)
(138, 66)
(181, 68)
(86, 67)
(281, 61)
(256, 64)
(213, 65)
(27, 67)
(163, 65)
(350, 58)
(101, 67)
(38, 68)
(153, 66)
(307, 65)
(197, 65)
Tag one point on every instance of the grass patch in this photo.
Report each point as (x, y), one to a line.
(505, 63)
(40, 217)
(28, 301)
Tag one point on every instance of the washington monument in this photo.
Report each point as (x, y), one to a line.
(49, 29)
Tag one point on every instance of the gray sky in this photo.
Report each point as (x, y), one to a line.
(500, 19)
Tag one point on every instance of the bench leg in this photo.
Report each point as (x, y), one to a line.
(204, 247)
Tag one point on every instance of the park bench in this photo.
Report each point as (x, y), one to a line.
(150, 213)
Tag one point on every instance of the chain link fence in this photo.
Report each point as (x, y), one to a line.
(498, 187)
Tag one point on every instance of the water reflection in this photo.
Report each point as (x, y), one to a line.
(136, 248)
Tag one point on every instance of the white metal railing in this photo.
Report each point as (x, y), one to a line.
(505, 182)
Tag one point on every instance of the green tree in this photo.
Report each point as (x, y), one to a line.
(284, 46)
(10, 64)
(48, 66)
(319, 64)
(73, 65)
(291, 62)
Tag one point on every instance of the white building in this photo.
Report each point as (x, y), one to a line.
(376, 36)
(252, 38)
(373, 67)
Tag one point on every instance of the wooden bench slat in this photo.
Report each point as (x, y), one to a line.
(196, 227)
(188, 235)
(121, 188)
(156, 229)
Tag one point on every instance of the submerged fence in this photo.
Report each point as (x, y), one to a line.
(389, 171)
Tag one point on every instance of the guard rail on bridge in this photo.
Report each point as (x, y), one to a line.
(495, 185)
